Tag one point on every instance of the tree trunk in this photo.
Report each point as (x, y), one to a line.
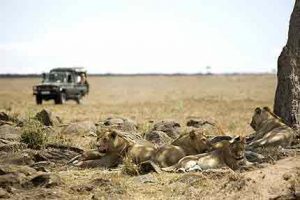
(287, 98)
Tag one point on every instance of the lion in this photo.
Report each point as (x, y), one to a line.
(270, 131)
(231, 154)
(191, 143)
(114, 142)
(112, 148)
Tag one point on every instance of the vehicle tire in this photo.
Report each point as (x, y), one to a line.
(61, 98)
(38, 99)
(78, 99)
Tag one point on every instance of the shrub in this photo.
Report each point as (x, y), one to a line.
(33, 134)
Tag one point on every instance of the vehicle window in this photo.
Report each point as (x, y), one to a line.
(55, 77)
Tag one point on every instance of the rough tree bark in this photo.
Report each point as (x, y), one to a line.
(287, 97)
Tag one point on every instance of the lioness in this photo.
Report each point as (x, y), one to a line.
(112, 142)
(191, 143)
(270, 129)
(231, 155)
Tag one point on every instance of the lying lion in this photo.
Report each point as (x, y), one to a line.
(231, 155)
(113, 147)
(191, 143)
(270, 130)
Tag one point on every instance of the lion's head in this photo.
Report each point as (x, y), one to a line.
(194, 140)
(260, 115)
(111, 141)
(237, 147)
(199, 141)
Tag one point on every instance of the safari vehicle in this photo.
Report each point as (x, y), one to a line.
(62, 84)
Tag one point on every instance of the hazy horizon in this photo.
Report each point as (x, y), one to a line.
(140, 37)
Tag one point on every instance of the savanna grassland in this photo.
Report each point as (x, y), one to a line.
(227, 100)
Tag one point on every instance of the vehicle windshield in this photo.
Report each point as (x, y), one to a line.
(55, 77)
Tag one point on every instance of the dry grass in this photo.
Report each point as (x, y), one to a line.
(228, 100)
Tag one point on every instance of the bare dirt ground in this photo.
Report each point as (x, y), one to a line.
(228, 100)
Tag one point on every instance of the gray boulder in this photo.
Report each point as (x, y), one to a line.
(14, 175)
(171, 128)
(9, 132)
(120, 123)
(80, 128)
(47, 118)
(4, 116)
(42, 179)
(207, 127)
(8, 145)
(158, 137)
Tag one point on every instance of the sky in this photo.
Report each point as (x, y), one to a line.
(143, 36)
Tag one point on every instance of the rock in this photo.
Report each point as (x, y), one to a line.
(207, 127)
(119, 123)
(197, 123)
(287, 98)
(158, 137)
(171, 128)
(22, 169)
(8, 132)
(4, 116)
(43, 193)
(147, 178)
(14, 175)
(43, 166)
(8, 146)
(81, 128)
(47, 180)
(64, 147)
(17, 158)
(12, 179)
(4, 194)
(56, 155)
(47, 118)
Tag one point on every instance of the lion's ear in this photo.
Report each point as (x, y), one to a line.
(192, 134)
(258, 110)
(235, 139)
(266, 108)
(113, 134)
(243, 140)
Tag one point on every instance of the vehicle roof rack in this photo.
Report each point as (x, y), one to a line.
(70, 69)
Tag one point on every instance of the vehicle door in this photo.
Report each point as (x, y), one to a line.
(70, 87)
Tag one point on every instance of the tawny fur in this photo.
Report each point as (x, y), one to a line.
(231, 155)
(269, 130)
(191, 143)
(114, 142)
